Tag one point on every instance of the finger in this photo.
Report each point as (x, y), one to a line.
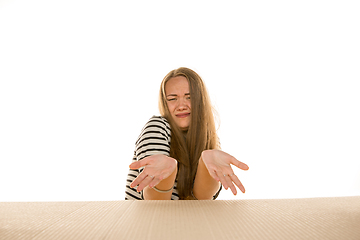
(155, 181)
(239, 164)
(138, 179)
(141, 163)
(144, 183)
(230, 183)
(135, 165)
(164, 174)
(222, 180)
(214, 175)
(238, 183)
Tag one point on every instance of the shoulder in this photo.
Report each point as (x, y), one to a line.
(155, 138)
(156, 127)
(158, 123)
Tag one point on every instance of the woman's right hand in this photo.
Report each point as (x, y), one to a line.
(156, 168)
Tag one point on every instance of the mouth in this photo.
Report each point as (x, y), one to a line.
(182, 115)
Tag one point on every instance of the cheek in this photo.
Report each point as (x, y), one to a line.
(171, 107)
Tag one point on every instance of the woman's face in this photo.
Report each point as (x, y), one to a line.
(178, 100)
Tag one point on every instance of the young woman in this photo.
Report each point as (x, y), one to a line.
(177, 155)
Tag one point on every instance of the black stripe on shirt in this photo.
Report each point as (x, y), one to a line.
(151, 150)
(132, 175)
(161, 120)
(150, 138)
(149, 132)
(153, 143)
(132, 196)
(163, 127)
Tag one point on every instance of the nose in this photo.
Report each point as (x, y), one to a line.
(182, 104)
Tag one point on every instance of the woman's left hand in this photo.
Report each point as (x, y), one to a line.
(218, 163)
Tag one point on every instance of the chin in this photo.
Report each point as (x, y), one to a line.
(182, 125)
(184, 129)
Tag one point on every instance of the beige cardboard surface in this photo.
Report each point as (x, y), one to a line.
(318, 218)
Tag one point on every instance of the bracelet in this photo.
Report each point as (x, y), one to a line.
(163, 191)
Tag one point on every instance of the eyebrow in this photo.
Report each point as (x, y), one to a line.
(175, 95)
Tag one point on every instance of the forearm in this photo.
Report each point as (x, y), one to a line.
(165, 184)
(205, 186)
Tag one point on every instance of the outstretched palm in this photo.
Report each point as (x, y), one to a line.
(218, 163)
(156, 168)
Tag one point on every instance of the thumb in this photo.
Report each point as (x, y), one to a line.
(239, 164)
(138, 164)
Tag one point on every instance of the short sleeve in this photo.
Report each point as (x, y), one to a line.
(154, 139)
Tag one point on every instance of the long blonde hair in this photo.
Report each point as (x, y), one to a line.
(201, 135)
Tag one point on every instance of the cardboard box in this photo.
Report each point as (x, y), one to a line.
(317, 218)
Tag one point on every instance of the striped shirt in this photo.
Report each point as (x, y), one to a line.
(154, 139)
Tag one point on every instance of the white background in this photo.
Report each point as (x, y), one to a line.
(79, 79)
